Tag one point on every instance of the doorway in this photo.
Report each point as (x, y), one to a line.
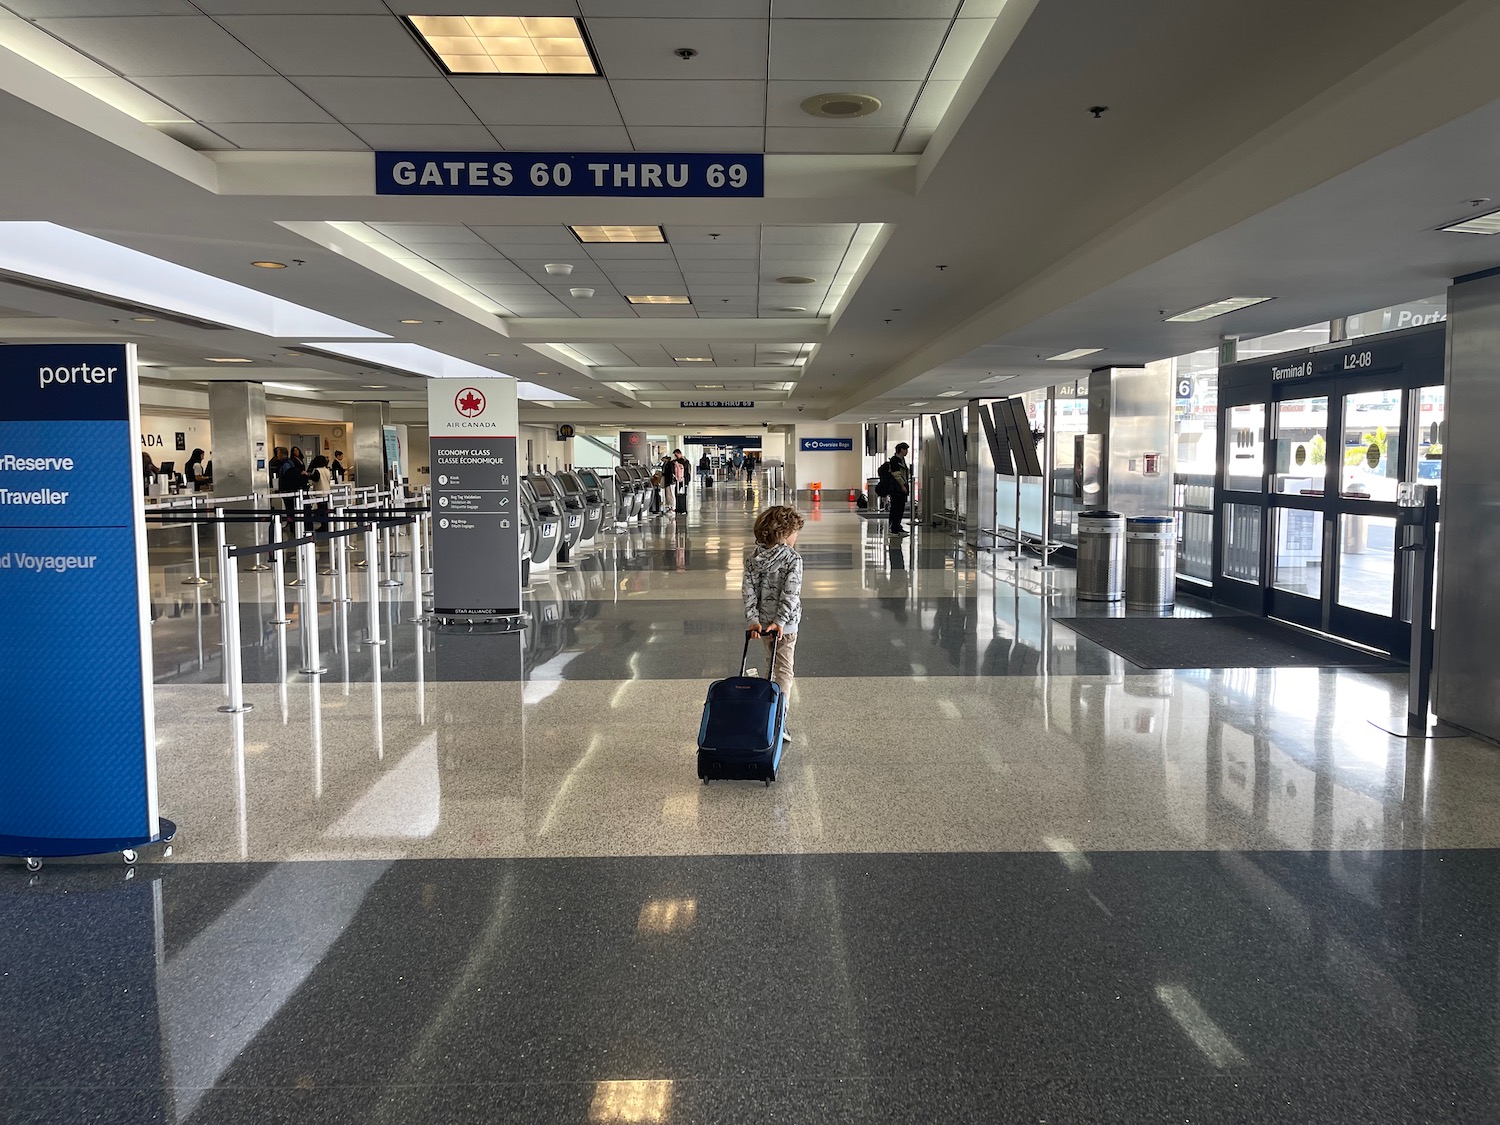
(1315, 448)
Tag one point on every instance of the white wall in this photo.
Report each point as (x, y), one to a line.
(159, 438)
(838, 472)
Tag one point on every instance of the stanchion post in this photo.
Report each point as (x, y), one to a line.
(260, 560)
(229, 609)
(197, 578)
(372, 590)
(312, 655)
(398, 500)
(390, 579)
(278, 573)
(296, 529)
(416, 571)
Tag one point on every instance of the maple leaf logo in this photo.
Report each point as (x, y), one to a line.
(469, 402)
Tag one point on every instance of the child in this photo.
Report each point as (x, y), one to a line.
(772, 589)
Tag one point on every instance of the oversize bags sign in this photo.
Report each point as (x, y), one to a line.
(826, 445)
(78, 769)
(476, 496)
(679, 175)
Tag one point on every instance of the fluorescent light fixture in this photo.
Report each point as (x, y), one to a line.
(915, 404)
(506, 44)
(270, 265)
(619, 233)
(69, 257)
(636, 299)
(1076, 353)
(692, 359)
(709, 386)
(1488, 223)
(287, 387)
(949, 394)
(227, 359)
(411, 322)
(1216, 308)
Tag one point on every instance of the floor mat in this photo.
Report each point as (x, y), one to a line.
(1217, 642)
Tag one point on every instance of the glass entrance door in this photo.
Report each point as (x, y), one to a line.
(1308, 531)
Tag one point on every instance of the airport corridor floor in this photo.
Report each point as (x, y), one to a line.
(1004, 875)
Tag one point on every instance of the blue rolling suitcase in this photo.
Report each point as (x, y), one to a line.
(739, 737)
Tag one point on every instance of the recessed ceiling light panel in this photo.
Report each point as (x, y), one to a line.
(797, 279)
(270, 265)
(840, 106)
(227, 359)
(1216, 308)
(506, 44)
(639, 299)
(618, 233)
(692, 359)
(1478, 224)
(1076, 353)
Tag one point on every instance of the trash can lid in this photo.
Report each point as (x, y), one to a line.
(1150, 519)
(1099, 516)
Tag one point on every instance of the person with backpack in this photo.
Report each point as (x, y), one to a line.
(895, 485)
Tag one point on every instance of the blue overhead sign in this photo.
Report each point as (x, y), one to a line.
(79, 772)
(678, 175)
(826, 445)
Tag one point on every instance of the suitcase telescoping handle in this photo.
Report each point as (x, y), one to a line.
(745, 656)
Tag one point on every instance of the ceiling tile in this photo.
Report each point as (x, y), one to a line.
(158, 45)
(822, 233)
(914, 141)
(692, 253)
(467, 138)
(982, 8)
(503, 237)
(44, 9)
(714, 292)
(458, 255)
(643, 48)
(959, 50)
(649, 138)
(710, 9)
(539, 100)
(874, 9)
(613, 251)
(563, 138)
(245, 99)
(426, 232)
(292, 137)
(376, 46)
(389, 101)
(832, 140)
(854, 50)
(294, 7)
(682, 235)
(934, 101)
(719, 268)
(784, 106)
(691, 102)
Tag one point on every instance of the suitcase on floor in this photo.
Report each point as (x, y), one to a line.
(739, 737)
(682, 499)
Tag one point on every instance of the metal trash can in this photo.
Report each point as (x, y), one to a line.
(1150, 562)
(1101, 556)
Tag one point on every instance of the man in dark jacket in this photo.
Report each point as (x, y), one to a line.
(900, 487)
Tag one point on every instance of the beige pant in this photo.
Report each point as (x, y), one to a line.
(786, 652)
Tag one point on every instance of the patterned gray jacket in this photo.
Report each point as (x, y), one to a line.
(772, 587)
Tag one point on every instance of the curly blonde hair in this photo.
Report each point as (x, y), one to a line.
(775, 524)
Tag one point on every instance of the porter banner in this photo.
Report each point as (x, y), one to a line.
(476, 497)
(79, 773)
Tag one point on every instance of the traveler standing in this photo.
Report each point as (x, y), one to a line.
(292, 477)
(895, 478)
(668, 472)
(772, 591)
(337, 468)
(321, 481)
(736, 463)
(706, 470)
(682, 473)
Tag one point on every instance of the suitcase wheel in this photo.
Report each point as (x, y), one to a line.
(705, 781)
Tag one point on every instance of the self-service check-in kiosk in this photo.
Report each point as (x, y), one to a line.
(596, 493)
(569, 509)
(641, 491)
(546, 519)
(578, 492)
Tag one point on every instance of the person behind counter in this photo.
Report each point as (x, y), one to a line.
(196, 474)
